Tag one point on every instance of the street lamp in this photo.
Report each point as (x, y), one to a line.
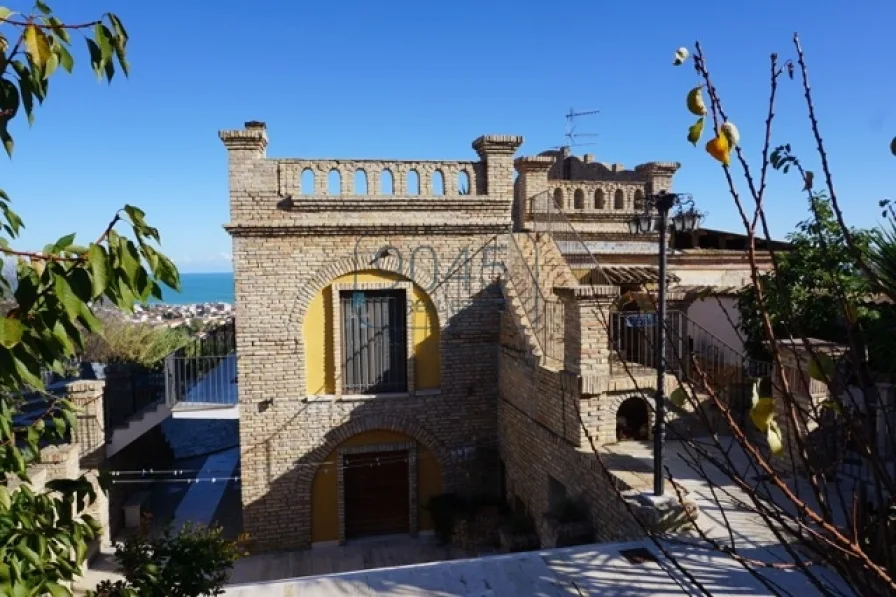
(685, 219)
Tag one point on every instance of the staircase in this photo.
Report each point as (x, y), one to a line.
(141, 422)
(533, 269)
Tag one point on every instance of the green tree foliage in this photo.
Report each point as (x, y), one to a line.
(193, 562)
(804, 290)
(44, 534)
(124, 341)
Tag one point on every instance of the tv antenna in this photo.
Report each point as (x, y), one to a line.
(572, 135)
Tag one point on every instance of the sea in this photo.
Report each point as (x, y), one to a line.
(200, 288)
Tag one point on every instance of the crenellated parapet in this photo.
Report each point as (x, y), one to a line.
(597, 195)
(308, 196)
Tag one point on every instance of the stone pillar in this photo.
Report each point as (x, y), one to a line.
(587, 342)
(252, 178)
(808, 394)
(658, 175)
(496, 151)
(532, 182)
(90, 433)
(90, 438)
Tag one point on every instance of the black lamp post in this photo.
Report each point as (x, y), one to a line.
(686, 218)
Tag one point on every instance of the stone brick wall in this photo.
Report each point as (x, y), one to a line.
(532, 452)
(288, 247)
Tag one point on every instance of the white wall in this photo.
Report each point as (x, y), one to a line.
(710, 313)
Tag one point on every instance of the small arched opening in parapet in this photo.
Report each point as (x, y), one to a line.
(639, 200)
(558, 198)
(413, 182)
(600, 199)
(306, 184)
(463, 183)
(633, 420)
(438, 183)
(578, 199)
(387, 183)
(619, 199)
(334, 182)
(360, 182)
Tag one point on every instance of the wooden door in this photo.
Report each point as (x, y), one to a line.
(376, 493)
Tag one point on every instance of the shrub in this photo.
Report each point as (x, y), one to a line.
(137, 343)
(195, 562)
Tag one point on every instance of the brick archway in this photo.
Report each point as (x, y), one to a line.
(384, 422)
(617, 401)
(323, 277)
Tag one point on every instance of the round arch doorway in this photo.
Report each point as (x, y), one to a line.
(633, 420)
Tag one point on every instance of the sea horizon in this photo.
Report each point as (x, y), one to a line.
(198, 288)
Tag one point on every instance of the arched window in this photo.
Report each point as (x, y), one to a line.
(463, 183)
(578, 199)
(334, 182)
(306, 186)
(387, 185)
(438, 183)
(639, 200)
(619, 199)
(600, 199)
(360, 182)
(413, 183)
(558, 198)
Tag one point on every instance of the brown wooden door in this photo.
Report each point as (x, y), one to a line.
(376, 493)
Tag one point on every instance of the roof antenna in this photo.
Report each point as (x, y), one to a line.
(572, 136)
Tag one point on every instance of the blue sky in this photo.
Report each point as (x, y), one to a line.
(423, 79)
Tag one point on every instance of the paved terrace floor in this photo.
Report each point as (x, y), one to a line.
(597, 569)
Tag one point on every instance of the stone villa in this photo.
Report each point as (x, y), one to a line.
(412, 328)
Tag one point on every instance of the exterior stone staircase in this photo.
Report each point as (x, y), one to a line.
(535, 267)
(521, 318)
(137, 425)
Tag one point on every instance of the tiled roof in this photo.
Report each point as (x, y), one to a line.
(630, 274)
(707, 290)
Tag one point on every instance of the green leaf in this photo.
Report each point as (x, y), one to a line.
(89, 320)
(27, 98)
(81, 284)
(98, 261)
(64, 243)
(117, 26)
(58, 29)
(695, 131)
(57, 590)
(6, 138)
(5, 499)
(21, 589)
(822, 367)
(168, 273)
(9, 99)
(678, 397)
(893, 146)
(5, 13)
(41, 6)
(96, 57)
(60, 427)
(65, 295)
(136, 214)
(61, 335)
(65, 58)
(11, 331)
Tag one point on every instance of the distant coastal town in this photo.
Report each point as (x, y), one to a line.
(197, 316)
